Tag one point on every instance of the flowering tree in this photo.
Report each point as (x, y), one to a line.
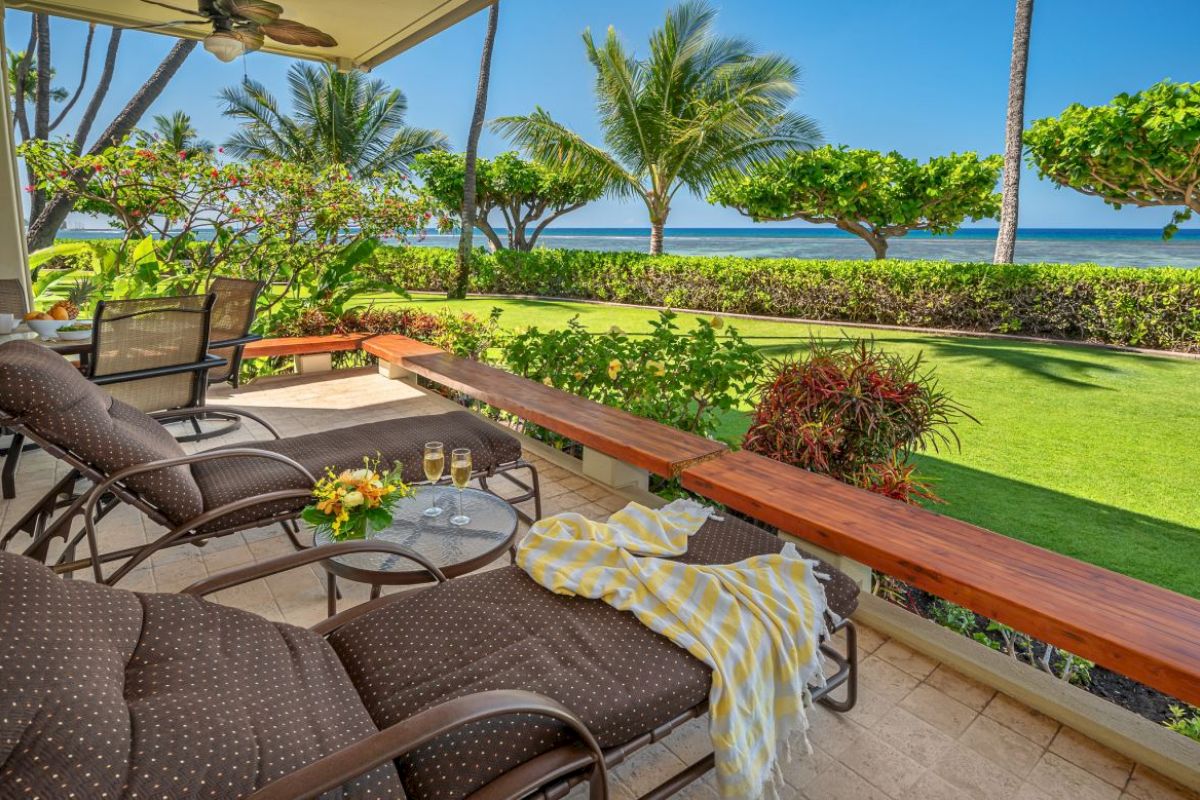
(186, 217)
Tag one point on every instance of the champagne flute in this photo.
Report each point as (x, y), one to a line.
(434, 464)
(460, 473)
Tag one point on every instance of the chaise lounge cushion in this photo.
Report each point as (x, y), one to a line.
(42, 388)
(500, 630)
(108, 693)
(225, 480)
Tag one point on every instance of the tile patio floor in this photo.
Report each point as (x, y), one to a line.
(920, 730)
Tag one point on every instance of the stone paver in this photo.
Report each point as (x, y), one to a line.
(921, 731)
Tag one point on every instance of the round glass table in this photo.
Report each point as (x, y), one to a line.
(454, 549)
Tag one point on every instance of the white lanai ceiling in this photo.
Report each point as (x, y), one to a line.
(368, 32)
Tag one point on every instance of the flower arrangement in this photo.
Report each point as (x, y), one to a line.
(352, 503)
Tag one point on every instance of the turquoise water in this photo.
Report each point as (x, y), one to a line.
(1112, 247)
(1109, 246)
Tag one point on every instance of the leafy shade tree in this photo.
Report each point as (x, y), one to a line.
(340, 118)
(698, 105)
(185, 219)
(35, 122)
(176, 131)
(525, 193)
(1140, 149)
(876, 196)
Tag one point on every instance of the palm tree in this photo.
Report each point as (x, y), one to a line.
(338, 118)
(1006, 238)
(30, 78)
(697, 106)
(467, 214)
(177, 131)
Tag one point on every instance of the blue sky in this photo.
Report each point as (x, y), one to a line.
(920, 76)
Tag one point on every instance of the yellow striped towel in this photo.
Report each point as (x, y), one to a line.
(756, 623)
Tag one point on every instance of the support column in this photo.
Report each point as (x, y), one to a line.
(14, 260)
(396, 372)
(611, 472)
(314, 362)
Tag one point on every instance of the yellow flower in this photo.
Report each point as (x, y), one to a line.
(578, 375)
(614, 367)
(546, 380)
(717, 323)
(657, 368)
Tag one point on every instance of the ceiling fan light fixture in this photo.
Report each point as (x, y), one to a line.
(225, 45)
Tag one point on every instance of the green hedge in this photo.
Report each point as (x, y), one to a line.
(1155, 308)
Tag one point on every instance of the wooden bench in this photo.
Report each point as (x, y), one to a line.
(304, 345)
(1145, 632)
(646, 444)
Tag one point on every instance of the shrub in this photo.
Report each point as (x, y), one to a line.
(856, 413)
(680, 379)
(1185, 721)
(462, 334)
(1155, 308)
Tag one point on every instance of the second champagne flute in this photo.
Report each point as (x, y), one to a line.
(460, 473)
(434, 464)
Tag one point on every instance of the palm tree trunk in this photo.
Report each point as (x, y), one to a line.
(656, 236)
(44, 227)
(1006, 239)
(463, 260)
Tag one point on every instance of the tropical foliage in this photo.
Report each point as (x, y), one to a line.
(682, 379)
(176, 131)
(854, 412)
(875, 196)
(698, 105)
(187, 218)
(338, 118)
(524, 193)
(1140, 149)
(28, 78)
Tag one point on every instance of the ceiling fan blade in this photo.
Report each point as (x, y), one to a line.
(174, 8)
(171, 24)
(259, 12)
(288, 31)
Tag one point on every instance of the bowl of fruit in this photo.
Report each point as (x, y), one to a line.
(46, 324)
(76, 330)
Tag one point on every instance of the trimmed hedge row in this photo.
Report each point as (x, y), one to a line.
(1155, 308)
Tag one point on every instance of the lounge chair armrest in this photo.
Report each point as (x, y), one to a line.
(394, 741)
(273, 566)
(173, 415)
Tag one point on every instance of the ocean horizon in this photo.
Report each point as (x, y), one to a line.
(1132, 247)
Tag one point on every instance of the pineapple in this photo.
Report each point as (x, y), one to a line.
(77, 296)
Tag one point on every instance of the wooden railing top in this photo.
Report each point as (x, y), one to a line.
(635, 440)
(304, 345)
(1145, 632)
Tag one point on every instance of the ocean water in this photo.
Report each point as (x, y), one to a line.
(1129, 247)
(1110, 247)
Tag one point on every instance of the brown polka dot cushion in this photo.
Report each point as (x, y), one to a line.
(500, 630)
(400, 440)
(56, 402)
(107, 693)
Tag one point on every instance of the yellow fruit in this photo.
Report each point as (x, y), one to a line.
(59, 312)
(32, 315)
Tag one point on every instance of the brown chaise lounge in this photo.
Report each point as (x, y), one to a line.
(211, 493)
(485, 686)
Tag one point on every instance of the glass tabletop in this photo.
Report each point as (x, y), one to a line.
(454, 549)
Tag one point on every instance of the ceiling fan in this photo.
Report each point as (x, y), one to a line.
(240, 25)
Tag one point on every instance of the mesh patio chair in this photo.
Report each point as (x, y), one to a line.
(130, 457)
(229, 333)
(485, 686)
(13, 299)
(152, 353)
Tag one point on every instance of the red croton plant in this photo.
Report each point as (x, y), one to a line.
(857, 413)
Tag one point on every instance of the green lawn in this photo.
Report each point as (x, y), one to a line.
(1091, 453)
